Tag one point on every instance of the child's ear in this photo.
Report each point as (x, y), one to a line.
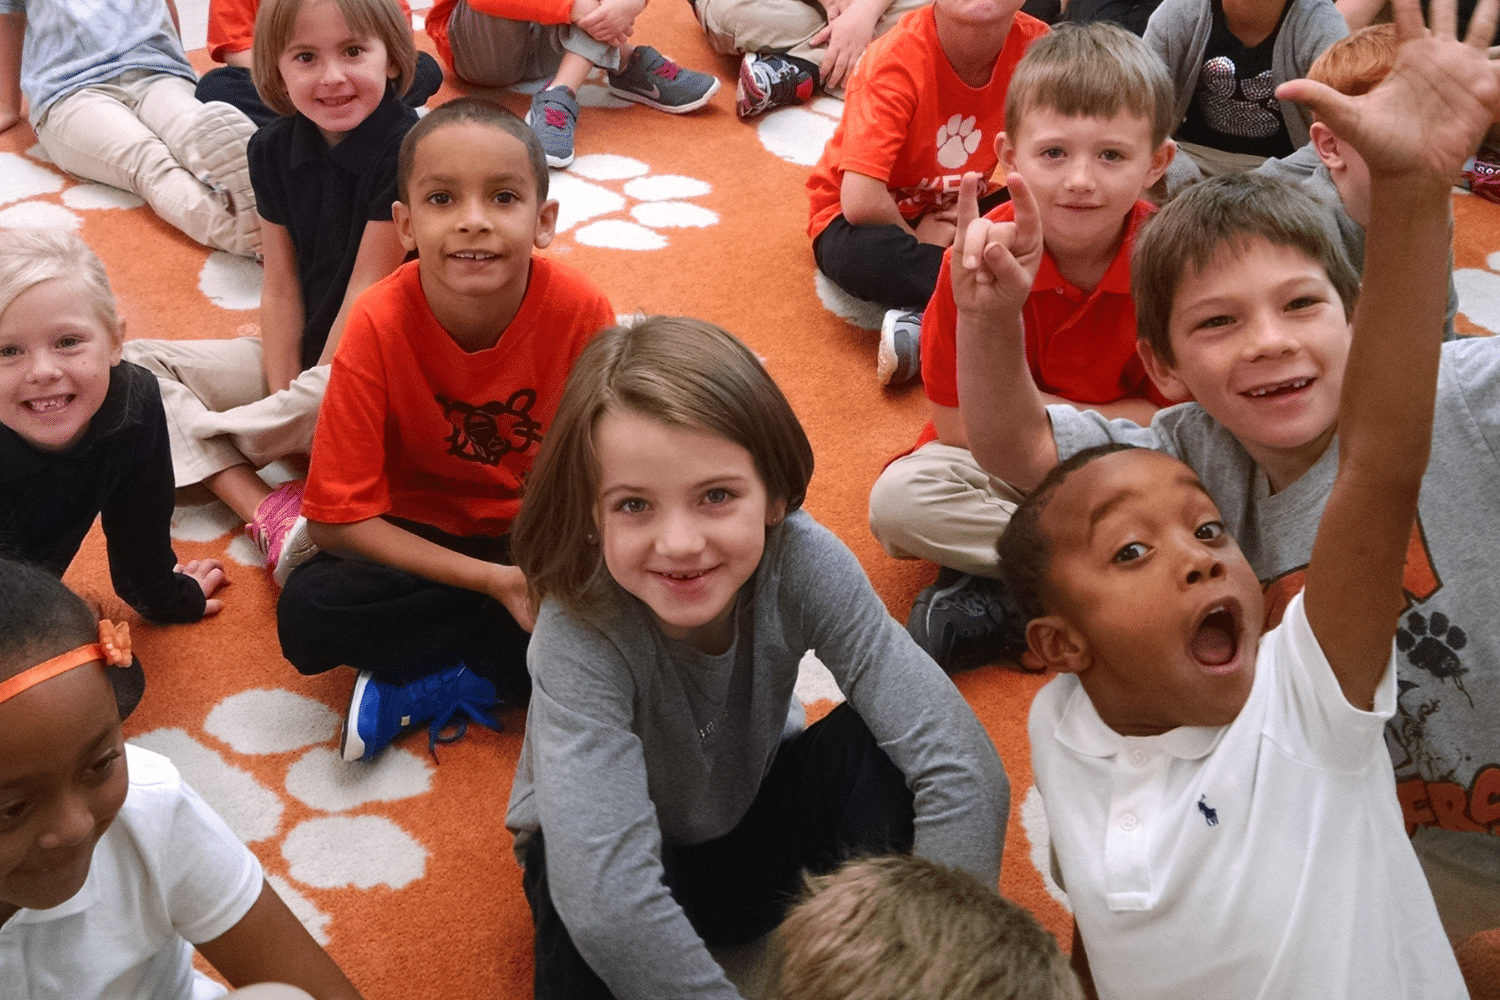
(119, 350)
(1326, 145)
(1160, 161)
(401, 216)
(1005, 152)
(775, 511)
(546, 224)
(1053, 643)
(1163, 374)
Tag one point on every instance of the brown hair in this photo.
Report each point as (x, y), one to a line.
(277, 19)
(471, 109)
(39, 617)
(1353, 65)
(1094, 70)
(903, 928)
(683, 372)
(1208, 225)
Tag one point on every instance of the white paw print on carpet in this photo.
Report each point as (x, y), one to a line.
(1479, 293)
(587, 192)
(345, 846)
(956, 141)
(798, 134)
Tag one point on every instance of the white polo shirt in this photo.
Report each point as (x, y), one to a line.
(166, 873)
(1267, 858)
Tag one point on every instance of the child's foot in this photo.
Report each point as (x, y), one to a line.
(652, 79)
(296, 549)
(554, 117)
(899, 358)
(964, 621)
(272, 525)
(379, 710)
(767, 81)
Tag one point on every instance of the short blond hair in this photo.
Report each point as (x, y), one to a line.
(277, 19)
(1094, 70)
(902, 928)
(29, 257)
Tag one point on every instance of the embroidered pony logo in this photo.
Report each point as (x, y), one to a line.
(1210, 814)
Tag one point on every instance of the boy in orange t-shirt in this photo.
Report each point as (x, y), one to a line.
(442, 388)
(921, 110)
(1086, 129)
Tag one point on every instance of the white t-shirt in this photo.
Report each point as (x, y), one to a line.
(1267, 858)
(166, 873)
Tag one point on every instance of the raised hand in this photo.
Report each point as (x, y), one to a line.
(1428, 115)
(995, 263)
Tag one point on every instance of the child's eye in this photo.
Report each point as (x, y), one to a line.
(354, 51)
(438, 198)
(1131, 552)
(718, 495)
(1303, 302)
(1112, 155)
(1053, 153)
(631, 505)
(11, 813)
(506, 197)
(1215, 321)
(303, 57)
(69, 341)
(102, 768)
(1209, 531)
(10, 351)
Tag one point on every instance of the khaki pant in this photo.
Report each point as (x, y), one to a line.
(146, 133)
(938, 504)
(269, 991)
(737, 26)
(220, 411)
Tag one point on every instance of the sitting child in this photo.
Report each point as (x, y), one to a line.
(659, 804)
(325, 179)
(498, 43)
(441, 391)
(902, 928)
(792, 47)
(231, 40)
(82, 434)
(1243, 295)
(111, 98)
(1086, 127)
(1226, 59)
(112, 870)
(923, 108)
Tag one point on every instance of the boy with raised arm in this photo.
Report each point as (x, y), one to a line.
(1238, 287)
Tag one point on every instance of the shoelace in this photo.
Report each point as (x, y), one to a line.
(555, 116)
(667, 69)
(480, 713)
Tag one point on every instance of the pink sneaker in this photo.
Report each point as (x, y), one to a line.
(274, 519)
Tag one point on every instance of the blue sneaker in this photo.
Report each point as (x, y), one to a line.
(379, 710)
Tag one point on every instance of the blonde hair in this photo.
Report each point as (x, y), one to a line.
(1355, 64)
(277, 20)
(1093, 70)
(902, 928)
(29, 257)
(683, 372)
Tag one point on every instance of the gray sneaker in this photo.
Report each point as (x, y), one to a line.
(652, 79)
(964, 621)
(554, 117)
(899, 359)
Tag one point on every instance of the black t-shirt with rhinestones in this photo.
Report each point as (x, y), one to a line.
(1234, 106)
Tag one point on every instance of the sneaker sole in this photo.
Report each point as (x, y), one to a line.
(560, 162)
(886, 361)
(671, 109)
(350, 745)
(296, 549)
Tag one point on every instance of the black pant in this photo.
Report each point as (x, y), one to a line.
(232, 85)
(832, 794)
(397, 625)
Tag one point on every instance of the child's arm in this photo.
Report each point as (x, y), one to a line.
(1415, 130)
(12, 37)
(380, 252)
(380, 540)
(866, 201)
(282, 312)
(270, 945)
(612, 21)
(994, 265)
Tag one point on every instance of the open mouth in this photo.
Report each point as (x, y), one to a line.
(48, 404)
(335, 102)
(473, 255)
(1216, 640)
(1291, 385)
(684, 577)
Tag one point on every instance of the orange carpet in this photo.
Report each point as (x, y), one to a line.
(403, 868)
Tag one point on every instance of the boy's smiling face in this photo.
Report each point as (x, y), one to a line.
(1086, 174)
(1149, 600)
(1261, 342)
(473, 216)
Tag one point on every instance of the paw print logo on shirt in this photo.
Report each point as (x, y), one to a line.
(599, 187)
(1432, 643)
(957, 139)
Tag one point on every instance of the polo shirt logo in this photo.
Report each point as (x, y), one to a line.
(1210, 814)
(487, 433)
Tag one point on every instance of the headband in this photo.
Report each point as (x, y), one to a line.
(113, 648)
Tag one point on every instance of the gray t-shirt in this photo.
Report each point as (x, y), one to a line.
(1445, 737)
(633, 738)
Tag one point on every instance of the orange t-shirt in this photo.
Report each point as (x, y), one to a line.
(540, 11)
(231, 25)
(1080, 347)
(912, 122)
(414, 426)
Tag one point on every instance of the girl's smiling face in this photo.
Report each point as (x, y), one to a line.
(55, 357)
(682, 522)
(62, 781)
(334, 78)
